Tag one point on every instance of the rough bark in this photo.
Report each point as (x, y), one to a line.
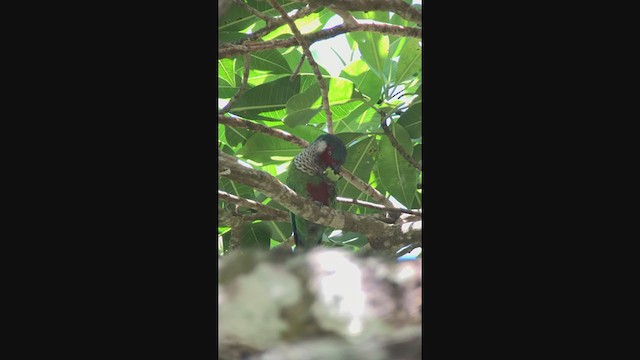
(328, 302)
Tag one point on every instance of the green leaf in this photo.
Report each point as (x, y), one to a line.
(225, 90)
(361, 119)
(411, 121)
(221, 131)
(266, 97)
(307, 24)
(410, 60)
(300, 117)
(259, 77)
(270, 61)
(237, 18)
(365, 80)
(236, 188)
(350, 137)
(417, 152)
(266, 149)
(227, 70)
(396, 174)
(374, 48)
(236, 136)
(279, 231)
(303, 107)
(360, 161)
(256, 235)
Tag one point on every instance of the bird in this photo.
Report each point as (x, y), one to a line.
(307, 178)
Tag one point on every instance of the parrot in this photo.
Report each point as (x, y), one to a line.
(306, 177)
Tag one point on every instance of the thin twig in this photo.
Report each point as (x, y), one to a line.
(324, 90)
(404, 10)
(276, 23)
(297, 70)
(376, 206)
(251, 204)
(255, 12)
(243, 85)
(228, 50)
(392, 138)
(241, 123)
(348, 176)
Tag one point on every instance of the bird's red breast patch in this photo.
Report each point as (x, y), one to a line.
(319, 192)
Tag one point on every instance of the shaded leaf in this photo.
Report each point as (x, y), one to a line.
(411, 121)
(266, 97)
(396, 174)
(256, 235)
(271, 61)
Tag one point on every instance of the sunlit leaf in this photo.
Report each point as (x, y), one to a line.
(410, 60)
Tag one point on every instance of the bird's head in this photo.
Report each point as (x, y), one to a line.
(331, 151)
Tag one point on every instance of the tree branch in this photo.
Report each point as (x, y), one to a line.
(381, 235)
(265, 213)
(348, 176)
(228, 50)
(376, 206)
(324, 91)
(241, 123)
(399, 7)
(276, 22)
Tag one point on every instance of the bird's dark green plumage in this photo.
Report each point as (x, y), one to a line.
(306, 177)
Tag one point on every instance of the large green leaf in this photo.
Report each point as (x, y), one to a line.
(271, 61)
(279, 231)
(310, 23)
(365, 80)
(259, 77)
(237, 18)
(374, 48)
(411, 120)
(236, 136)
(236, 188)
(225, 90)
(266, 149)
(227, 70)
(396, 174)
(266, 97)
(256, 235)
(361, 119)
(410, 60)
(303, 107)
(360, 161)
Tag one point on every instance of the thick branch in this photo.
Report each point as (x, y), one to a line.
(324, 91)
(399, 7)
(375, 206)
(241, 123)
(228, 50)
(266, 213)
(380, 234)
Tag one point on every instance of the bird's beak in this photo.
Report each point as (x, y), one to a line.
(336, 169)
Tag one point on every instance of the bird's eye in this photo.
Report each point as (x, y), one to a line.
(329, 152)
